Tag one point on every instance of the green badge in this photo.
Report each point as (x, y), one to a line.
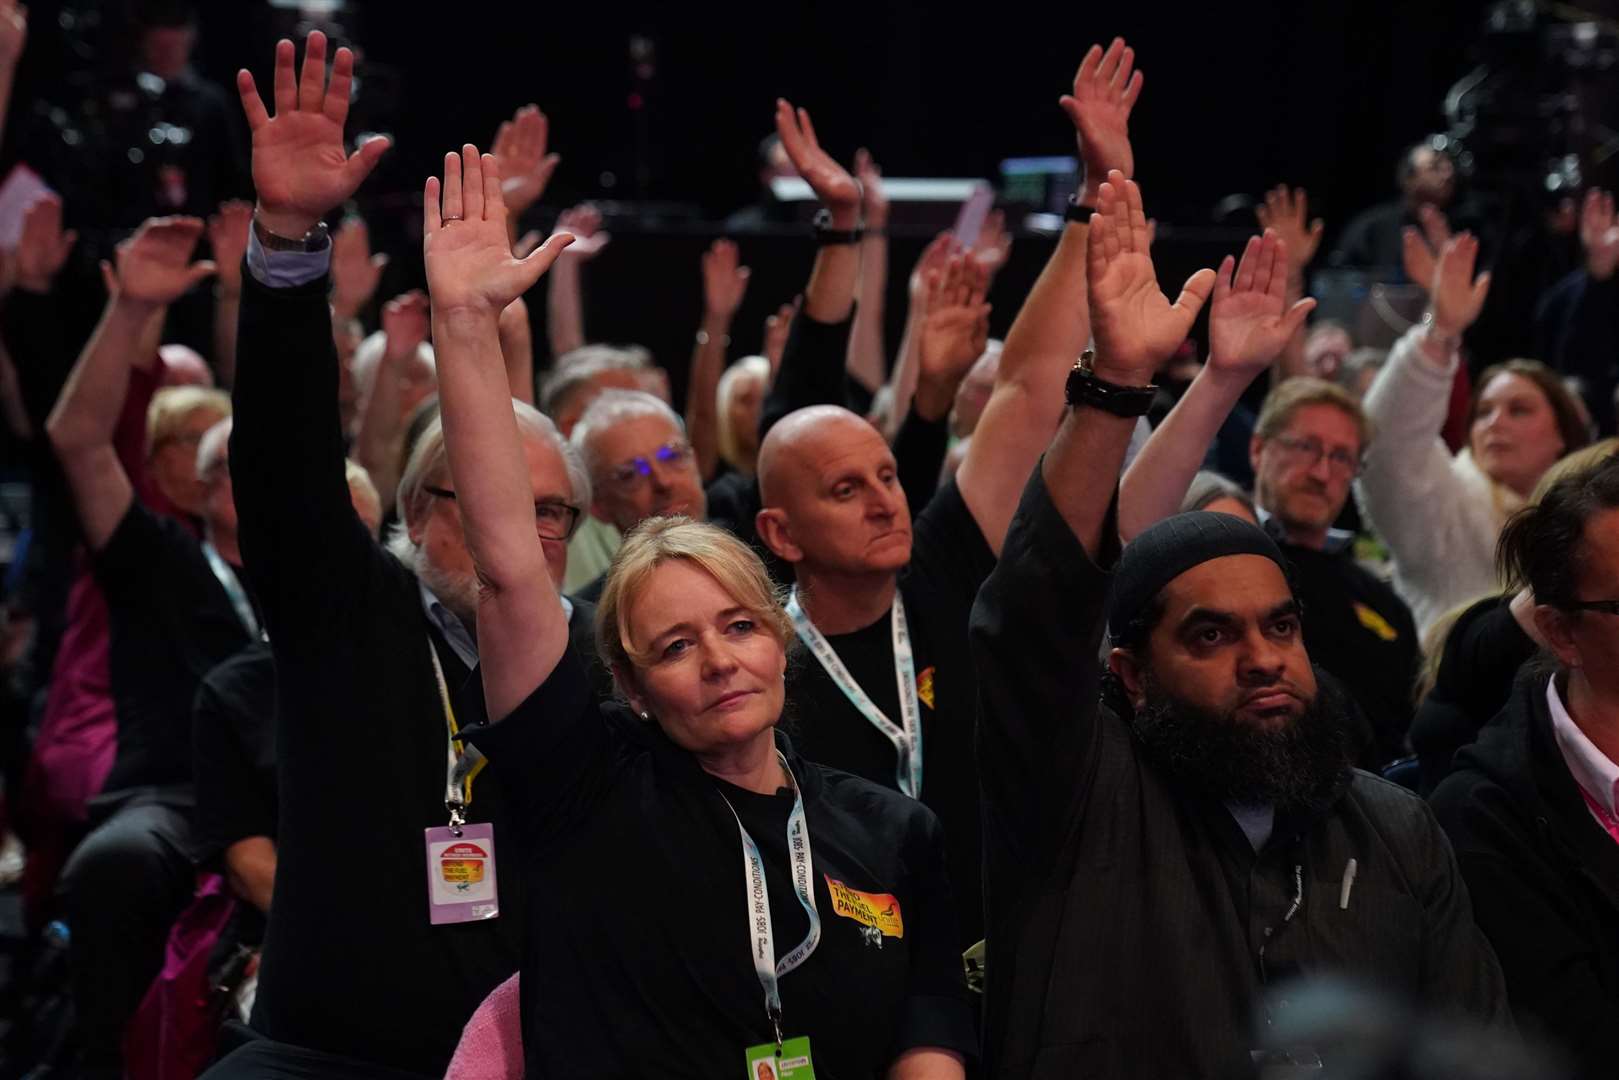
(792, 1062)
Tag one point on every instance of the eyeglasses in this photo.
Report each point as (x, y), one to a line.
(1606, 607)
(634, 473)
(1310, 451)
(553, 518)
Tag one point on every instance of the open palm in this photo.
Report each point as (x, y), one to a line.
(1104, 92)
(154, 266)
(1247, 325)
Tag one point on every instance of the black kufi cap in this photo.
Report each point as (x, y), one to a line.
(1173, 546)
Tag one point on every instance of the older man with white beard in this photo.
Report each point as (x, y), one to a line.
(363, 973)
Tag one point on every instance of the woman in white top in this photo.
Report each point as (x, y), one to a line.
(1441, 513)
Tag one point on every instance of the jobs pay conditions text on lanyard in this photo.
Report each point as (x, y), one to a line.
(789, 1058)
(460, 857)
(907, 734)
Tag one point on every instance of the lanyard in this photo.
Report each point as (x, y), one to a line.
(907, 735)
(464, 762)
(233, 591)
(753, 877)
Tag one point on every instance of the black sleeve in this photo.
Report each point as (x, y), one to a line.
(554, 751)
(949, 551)
(936, 1012)
(1579, 332)
(310, 558)
(232, 804)
(919, 450)
(1036, 632)
(811, 372)
(135, 555)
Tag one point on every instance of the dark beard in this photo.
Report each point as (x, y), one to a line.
(1233, 761)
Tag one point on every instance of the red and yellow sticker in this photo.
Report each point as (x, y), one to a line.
(463, 863)
(924, 686)
(877, 910)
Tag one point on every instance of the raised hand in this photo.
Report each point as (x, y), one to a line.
(934, 258)
(1286, 212)
(154, 266)
(356, 272)
(873, 203)
(300, 170)
(227, 236)
(952, 335)
(1419, 248)
(1135, 326)
(520, 151)
(468, 252)
(43, 247)
(406, 321)
(584, 224)
(1248, 326)
(13, 31)
(777, 326)
(1105, 90)
(831, 182)
(724, 282)
(994, 246)
(1455, 297)
(1599, 235)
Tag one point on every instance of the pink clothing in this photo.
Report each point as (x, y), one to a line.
(491, 1046)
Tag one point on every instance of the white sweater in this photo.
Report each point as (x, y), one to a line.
(1438, 512)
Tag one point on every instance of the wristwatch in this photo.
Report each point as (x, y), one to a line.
(1084, 388)
(1077, 211)
(316, 239)
(826, 234)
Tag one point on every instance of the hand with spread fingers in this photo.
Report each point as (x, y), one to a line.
(1135, 326)
(1419, 248)
(300, 169)
(356, 272)
(1286, 212)
(725, 283)
(154, 266)
(953, 334)
(1249, 321)
(407, 320)
(1456, 297)
(1105, 90)
(468, 252)
(43, 246)
(1599, 235)
(525, 166)
(831, 182)
(584, 224)
(777, 326)
(993, 247)
(227, 236)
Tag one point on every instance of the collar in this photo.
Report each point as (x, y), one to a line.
(1592, 771)
(1338, 540)
(455, 632)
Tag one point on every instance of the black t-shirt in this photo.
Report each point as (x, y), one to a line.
(171, 622)
(949, 561)
(1360, 631)
(233, 752)
(637, 960)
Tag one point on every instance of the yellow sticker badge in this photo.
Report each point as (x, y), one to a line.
(1374, 622)
(924, 686)
(878, 911)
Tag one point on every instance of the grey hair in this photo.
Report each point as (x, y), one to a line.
(212, 447)
(612, 407)
(429, 459)
(757, 367)
(578, 368)
(1207, 487)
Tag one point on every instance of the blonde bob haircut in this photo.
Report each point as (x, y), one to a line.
(172, 406)
(658, 540)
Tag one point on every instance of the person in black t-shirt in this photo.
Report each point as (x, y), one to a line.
(834, 510)
(632, 830)
(355, 979)
(176, 608)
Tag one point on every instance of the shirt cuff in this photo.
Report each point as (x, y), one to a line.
(285, 269)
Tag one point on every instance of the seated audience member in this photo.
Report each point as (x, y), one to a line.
(1440, 513)
(1213, 492)
(1153, 862)
(369, 643)
(176, 609)
(1531, 805)
(1427, 180)
(1579, 316)
(884, 682)
(737, 401)
(691, 629)
(1306, 451)
(1474, 656)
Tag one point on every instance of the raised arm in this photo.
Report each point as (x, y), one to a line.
(1052, 328)
(472, 275)
(1249, 325)
(564, 293)
(724, 285)
(867, 363)
(521, 150)
(381, 433)
(356, 272)
(902, 381)
(154, 269)
(227, 237)
(1286, 213)
(517, 350)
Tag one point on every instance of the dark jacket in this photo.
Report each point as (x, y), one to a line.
(1131, 926)
(1543, 874)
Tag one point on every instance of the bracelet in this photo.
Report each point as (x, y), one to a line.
(825, 234)
(1432, 333)
(1078, 211)
(316, 239)
(704, 337)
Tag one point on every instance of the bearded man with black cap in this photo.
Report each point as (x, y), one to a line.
(1164, 842)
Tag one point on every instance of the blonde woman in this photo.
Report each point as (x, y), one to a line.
(695, 890)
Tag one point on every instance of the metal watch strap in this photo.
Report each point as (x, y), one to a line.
(315, 239)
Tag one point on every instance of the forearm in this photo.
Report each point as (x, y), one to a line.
(702, 386)
(829, 296)
(227, 314)
(87, 411)
(250, 869)
(1156, 482)
(904, 377)
(11, 401)
(1290, 363)
(381, 430)
(517, 350)
(564, 308)
(867, 362)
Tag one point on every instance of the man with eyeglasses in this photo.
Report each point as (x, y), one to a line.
(1306, 452)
